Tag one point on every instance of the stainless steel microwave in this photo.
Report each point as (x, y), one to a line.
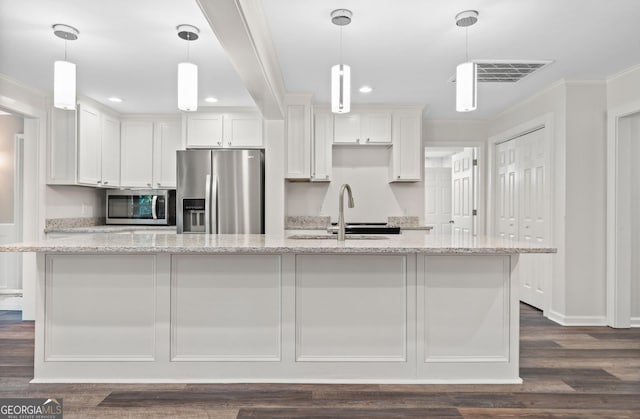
(143, 206)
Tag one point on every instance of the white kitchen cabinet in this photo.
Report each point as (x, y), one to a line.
(110, 151)
(167, 140)
(406, 153)
(137, 154)
(322, 160)
(205, 130)
(89, 145)
(363, 128)
(298, 141)
(84, 147)
(224, 130)
(242, 130)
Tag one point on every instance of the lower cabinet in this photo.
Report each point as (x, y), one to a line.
(287, 317)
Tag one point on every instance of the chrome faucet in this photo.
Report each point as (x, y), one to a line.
(341, 227)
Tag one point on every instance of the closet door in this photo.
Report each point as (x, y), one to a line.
(535, 270)
(506, 199)
(523, 208)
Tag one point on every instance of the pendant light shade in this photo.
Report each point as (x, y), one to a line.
(466, 87)
(64, 85)
(467, 72)
(188, 73)
(340, 88)
(341, 73)
(64, 72)
(187, 87)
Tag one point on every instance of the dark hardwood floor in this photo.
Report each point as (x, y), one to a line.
(568, 372)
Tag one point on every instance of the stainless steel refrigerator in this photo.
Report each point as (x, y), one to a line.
(220, 191)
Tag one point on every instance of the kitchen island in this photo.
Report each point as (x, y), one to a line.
(253, 308)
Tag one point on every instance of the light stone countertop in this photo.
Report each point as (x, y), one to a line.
(271, 244)
(111, 228)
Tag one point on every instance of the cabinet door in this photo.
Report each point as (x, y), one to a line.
(407, 148)
(242, 130)
(89, 160)
(204, 130)
(376, 127)
(137, 154)
(110, 151)
(166, 142)
(346, 128)
(322, 147)
(298, 142)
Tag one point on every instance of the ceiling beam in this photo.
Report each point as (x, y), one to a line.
(242, 30)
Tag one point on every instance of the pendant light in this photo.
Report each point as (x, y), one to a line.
(467, 72)
(64, 72)
(188, 73)
(341, 73)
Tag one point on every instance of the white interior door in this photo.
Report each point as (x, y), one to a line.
(506, 200)
(11, 223)
(438, 199)
(462, 180)
(522, 208)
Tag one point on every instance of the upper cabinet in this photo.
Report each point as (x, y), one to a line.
(84, 147)
(167, 140)
(406, 152)
(148, 155)
(216, 129)
(137, 154)
(309, 140)
(371, 127)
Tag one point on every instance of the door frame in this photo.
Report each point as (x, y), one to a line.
(480, 180)
(618, 249)
(31, 105)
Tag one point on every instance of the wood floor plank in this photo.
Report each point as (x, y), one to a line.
(568, 372)
(329, 413)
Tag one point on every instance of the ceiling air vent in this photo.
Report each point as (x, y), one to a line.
(496, 71)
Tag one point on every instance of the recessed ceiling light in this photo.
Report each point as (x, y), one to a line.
(211, 100)
(366, 89)
(115, 99)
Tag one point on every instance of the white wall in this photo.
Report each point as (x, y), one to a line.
(274, 175)
(576, 111)
(74, 202)
(586, 199)
(366, 170)
(9, 126)
(635, 220)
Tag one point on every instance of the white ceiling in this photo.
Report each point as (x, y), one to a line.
(407, 50)
(126, 48)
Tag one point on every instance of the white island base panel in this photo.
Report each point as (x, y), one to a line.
(304, 318)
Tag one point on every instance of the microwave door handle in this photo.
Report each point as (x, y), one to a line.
(214, 205)
(154, 211)
(207, 204)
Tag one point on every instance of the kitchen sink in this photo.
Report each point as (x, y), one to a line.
(335, 237)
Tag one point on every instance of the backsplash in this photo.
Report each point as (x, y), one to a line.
(58, 223)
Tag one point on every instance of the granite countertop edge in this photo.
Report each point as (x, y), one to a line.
(269, 244)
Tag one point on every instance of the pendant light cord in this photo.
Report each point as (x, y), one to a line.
(466, 42)
(188, 42)
(340, 45)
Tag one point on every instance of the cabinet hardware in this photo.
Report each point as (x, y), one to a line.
(105, 182)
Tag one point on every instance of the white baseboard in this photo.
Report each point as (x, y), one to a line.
(635, 322)
(10, 302)
(563, 320)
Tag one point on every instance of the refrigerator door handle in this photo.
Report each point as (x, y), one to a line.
(207, 205)
(154, 203)
(214, 205)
